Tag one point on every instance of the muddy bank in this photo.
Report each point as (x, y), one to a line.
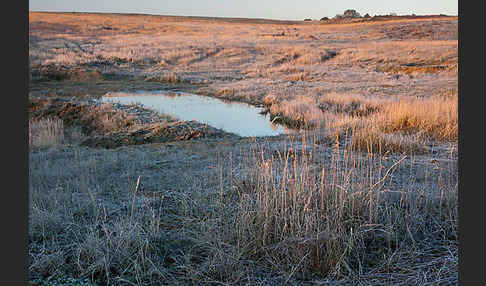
(89, 82)
(111, 125)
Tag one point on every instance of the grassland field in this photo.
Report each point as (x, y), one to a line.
(365, 194)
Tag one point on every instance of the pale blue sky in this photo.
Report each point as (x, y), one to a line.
(269, 9)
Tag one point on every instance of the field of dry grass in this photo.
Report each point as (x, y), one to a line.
(409, 57)
(367, 195)
(290, 67)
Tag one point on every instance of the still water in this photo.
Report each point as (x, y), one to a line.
(234, 117)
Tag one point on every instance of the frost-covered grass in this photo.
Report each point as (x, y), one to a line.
(247, 212)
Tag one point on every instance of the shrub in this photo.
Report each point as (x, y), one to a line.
(350, 13)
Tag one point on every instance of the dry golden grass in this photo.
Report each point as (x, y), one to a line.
(436, 117)
(405, 56)
(182, 41)
(247, 60)
(337, 77)
(407, 125)
(170, 77)
(303, 76)
(391, 124)
(351, 104)
(299, 111)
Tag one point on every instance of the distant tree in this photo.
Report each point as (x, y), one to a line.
(307, 19)
(367, 15)
(350, 13)
(324, 19)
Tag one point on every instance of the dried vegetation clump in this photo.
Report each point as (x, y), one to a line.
(169, 77)
(45, 132)
(335, 220)
(406, 125)
(353, 105)
(90, 117)
(434, 117)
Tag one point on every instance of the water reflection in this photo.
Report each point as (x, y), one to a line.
(235, 117)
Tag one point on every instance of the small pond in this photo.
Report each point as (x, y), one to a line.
(234, 117)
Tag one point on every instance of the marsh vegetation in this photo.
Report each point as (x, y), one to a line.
(365, 193)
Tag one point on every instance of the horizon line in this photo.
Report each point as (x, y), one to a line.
(225, 17)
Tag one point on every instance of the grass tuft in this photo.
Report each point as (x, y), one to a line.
(45, 132)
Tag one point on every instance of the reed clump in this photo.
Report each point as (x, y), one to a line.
(339, 218)
(408, 125)
(45, 132)
(435, 117)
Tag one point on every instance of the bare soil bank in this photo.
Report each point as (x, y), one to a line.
(115, 125)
